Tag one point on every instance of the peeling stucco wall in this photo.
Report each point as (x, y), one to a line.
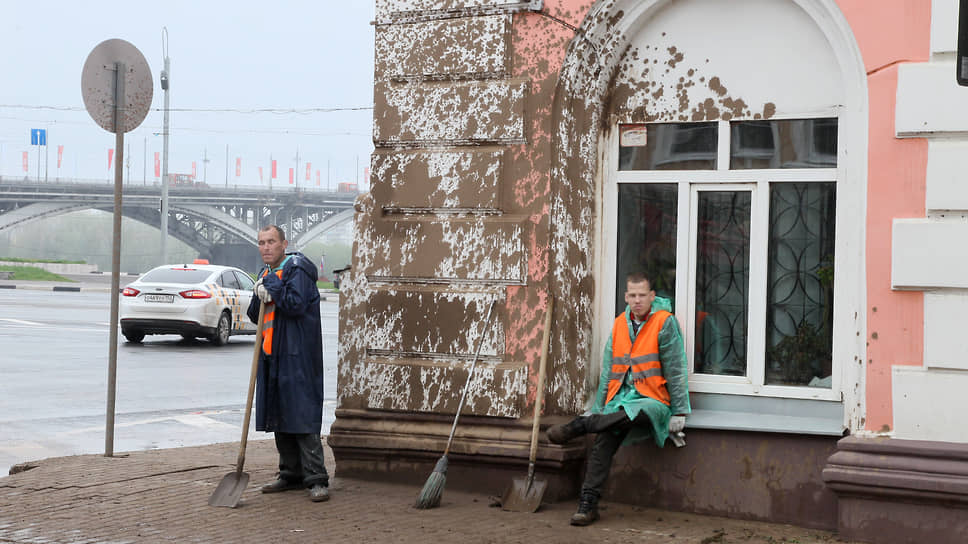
(458, 215)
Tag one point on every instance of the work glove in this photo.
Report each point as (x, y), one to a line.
(261, 292)
(677, 424)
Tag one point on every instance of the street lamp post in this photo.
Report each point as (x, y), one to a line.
(165, 84)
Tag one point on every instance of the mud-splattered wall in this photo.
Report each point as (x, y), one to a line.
(457, 219)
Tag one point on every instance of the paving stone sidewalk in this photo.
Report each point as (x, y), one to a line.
(161, 496)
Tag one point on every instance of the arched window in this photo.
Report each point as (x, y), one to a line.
(726, 178)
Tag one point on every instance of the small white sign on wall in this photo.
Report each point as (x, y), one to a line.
(632, 135)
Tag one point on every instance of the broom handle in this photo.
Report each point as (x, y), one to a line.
(470, 374)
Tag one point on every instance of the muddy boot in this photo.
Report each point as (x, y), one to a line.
(582, 425)
(319, 493)
(562, 433)
(587, 511)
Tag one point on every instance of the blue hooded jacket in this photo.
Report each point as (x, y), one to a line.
(289, 392)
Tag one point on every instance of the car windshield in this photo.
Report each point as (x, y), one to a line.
(176, 275)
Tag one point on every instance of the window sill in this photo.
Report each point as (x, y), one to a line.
(771, 415)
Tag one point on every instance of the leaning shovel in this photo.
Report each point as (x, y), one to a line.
(524, 495)
(230, 489)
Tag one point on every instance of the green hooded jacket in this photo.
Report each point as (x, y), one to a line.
(675, 369)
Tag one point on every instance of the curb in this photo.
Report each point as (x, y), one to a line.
(323, 295)
(58, 288)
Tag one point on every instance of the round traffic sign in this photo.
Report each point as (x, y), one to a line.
(98, 85)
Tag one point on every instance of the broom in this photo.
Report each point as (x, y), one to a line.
(434, 487)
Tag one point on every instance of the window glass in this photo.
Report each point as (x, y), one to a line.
(228, 280)
(668, 146)
(788, 143)
(647, 215)
(244, 280)
(176, 275)
(800, 284)
(722, 282)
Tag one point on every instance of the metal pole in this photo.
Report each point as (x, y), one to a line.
(144, 178)
(295, 173)
(205, 166)
(46, 154)
(115, 260)
(226, 166)
(166, 84)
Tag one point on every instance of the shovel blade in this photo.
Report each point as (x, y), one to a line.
(229, 490)
(520, 497)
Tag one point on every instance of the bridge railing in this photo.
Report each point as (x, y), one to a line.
(200, 186)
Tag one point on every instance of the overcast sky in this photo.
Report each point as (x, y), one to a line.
(239, 55)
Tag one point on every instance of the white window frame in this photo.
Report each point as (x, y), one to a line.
(690, 183)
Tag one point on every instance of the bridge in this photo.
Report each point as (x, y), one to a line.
(222, 223)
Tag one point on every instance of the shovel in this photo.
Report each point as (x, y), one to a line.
(524, 495)
(230, 489)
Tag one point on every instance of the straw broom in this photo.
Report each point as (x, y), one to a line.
(433, 489)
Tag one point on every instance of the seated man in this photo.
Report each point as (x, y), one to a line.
(643, 383)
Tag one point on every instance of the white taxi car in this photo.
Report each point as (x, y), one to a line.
(193, 300)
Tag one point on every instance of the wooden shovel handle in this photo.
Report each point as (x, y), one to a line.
(539, 396)
(252, 375)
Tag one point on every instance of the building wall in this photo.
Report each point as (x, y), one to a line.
(487, 188)
(927, 248)
(890, 35)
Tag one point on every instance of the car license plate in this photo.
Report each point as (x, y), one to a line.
(159, 298)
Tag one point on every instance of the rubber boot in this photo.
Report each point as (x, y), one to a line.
(587, 511)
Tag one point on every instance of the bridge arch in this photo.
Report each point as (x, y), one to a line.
(323, 227)
(179, 229)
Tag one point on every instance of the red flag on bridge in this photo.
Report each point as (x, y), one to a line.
(366, 175)
(60, 155)
(238, 166)
(194, 170)
(274, 176)
(260, 174)
(157, 165)
(309, 168)
(110, 157)
(291, 175)
(317, 178)
(25, 161)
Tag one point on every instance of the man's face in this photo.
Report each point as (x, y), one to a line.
(639, 297)
(271, 248)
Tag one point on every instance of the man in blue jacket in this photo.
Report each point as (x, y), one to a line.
(642, 392)
(289, 393)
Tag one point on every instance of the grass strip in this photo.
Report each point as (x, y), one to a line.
(32, 273)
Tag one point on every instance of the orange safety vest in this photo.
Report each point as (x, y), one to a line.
(642, 358)
(267, 319)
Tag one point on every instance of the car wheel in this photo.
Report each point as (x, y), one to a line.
(135, 337)
(222, 330)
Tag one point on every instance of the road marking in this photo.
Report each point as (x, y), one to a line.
(22, 322)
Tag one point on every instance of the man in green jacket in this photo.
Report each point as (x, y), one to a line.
(643, 390)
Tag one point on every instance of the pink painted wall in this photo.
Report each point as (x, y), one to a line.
(890, 32)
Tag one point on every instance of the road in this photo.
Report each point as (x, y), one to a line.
(170, 392)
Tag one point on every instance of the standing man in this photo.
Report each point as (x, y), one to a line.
(642, 392)
(289, 397)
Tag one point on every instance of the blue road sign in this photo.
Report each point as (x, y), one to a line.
(38, 136)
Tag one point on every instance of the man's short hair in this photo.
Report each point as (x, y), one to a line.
(281, 233)
(638, 276)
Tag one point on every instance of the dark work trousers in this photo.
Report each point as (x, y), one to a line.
(301, 459)
(611, 433)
